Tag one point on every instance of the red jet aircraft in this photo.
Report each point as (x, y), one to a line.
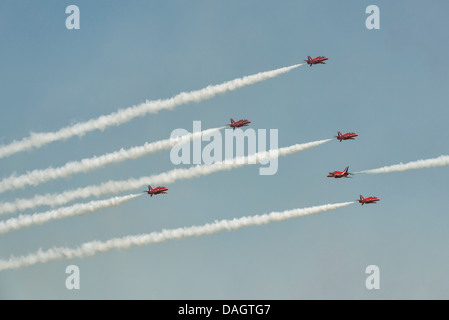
(339, 174)
(238, 124)
(363, 200)
(346, 136)
(317, 60)
(157, 190)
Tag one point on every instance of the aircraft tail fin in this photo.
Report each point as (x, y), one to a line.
(361, 197)
(346, 169)
(232, 120)
(309, 58)
(149, 188)
(339, 133)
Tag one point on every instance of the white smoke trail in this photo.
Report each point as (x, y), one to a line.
(37, 177)
(89, 249)
(162, 178)
(413, 165)
(78, 209)
(37, 140)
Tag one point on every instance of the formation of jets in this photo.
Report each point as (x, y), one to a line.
(336, 174)
(345, 173)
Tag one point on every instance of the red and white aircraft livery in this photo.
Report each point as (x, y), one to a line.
(317, 60)
(157, 190)
(346, 136)
(339, 174)
(238, 124)
(363, 200)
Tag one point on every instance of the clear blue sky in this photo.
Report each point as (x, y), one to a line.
(388, 85)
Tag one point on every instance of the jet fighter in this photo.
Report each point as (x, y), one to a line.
(340, 174)
(346, 136)
(238, 124)
(157, 190)
(317, 60)
(363, 200)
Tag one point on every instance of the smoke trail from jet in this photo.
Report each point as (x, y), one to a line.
(37, 177)
(162, 178)
(78, 209)
(441, 161)
(89, 249)
(37, 140)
